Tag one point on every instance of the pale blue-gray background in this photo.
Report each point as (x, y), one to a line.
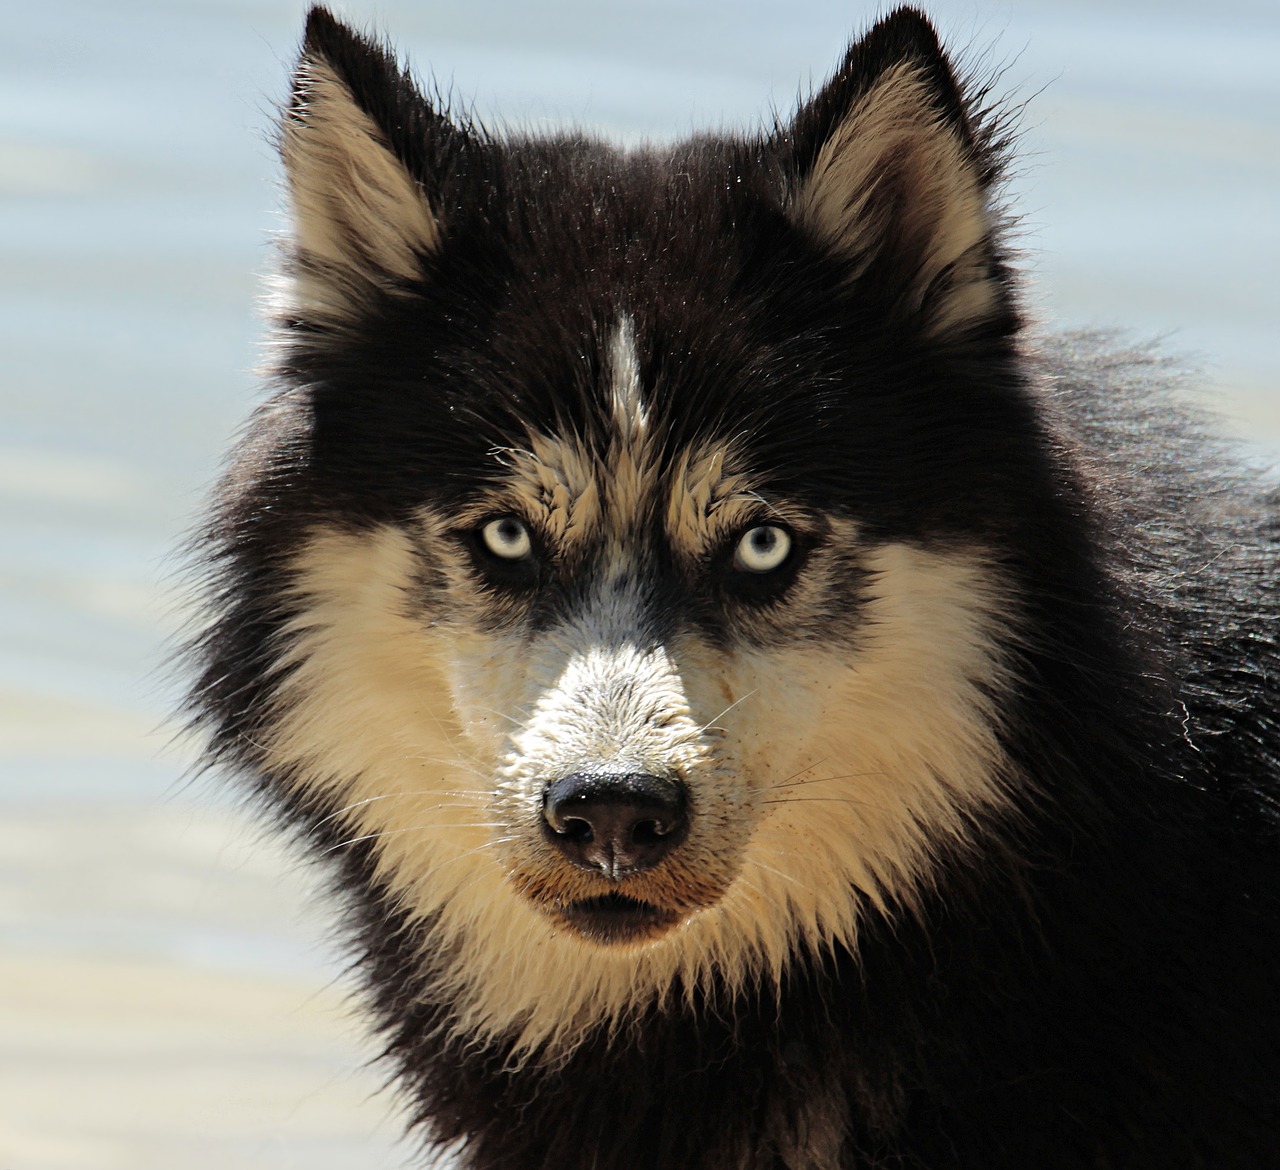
(137, 195)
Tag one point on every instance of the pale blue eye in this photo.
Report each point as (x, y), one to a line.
(507, 538)
(762, 549)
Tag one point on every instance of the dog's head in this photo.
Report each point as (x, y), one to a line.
(617, 564)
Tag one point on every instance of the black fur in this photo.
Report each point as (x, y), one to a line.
(1094, 985)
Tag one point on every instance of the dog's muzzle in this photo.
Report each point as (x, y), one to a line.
(616, 825)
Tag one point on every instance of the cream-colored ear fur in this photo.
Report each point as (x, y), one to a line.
(894, 176)
(359, 217)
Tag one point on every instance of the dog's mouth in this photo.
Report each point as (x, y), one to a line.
(614, 919)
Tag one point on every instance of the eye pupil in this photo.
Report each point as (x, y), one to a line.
(762, 549)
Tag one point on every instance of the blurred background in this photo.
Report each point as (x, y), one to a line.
(169, 994)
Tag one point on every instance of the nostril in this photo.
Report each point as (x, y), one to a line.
(647, 832)
(576, 829)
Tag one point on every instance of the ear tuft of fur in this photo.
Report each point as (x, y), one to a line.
(890, 171)
(354, 128)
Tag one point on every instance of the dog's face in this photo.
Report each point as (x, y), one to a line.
(617, 561)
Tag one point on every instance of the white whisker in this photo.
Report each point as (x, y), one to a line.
(741, 699)
(382, 834)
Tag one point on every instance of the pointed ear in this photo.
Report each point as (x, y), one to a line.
(357, 140)
(891, 171)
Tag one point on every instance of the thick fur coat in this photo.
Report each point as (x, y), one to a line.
(762, 708)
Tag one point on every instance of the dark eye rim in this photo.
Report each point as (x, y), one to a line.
(510, 571)
(761, 588)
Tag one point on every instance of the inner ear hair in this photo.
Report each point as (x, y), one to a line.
(360, 217)
(897, 191)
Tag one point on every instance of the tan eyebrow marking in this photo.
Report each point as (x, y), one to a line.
(707, 498)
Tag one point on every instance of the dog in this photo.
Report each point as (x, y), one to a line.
(762, 706)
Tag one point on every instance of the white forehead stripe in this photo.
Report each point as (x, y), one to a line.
(630, 466)
(629, 414)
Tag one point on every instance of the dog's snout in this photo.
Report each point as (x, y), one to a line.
(616, 823)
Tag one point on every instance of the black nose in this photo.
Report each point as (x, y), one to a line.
(616, 823)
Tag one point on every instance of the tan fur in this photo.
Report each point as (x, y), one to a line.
(813, 772)
(891, 170)
(555, 484)
(357, 213)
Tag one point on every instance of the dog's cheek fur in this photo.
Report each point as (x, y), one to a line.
(362, 715)
(884, 753)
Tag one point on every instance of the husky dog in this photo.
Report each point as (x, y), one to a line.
(763, 709)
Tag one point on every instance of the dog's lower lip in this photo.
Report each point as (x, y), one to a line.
(617, 918)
